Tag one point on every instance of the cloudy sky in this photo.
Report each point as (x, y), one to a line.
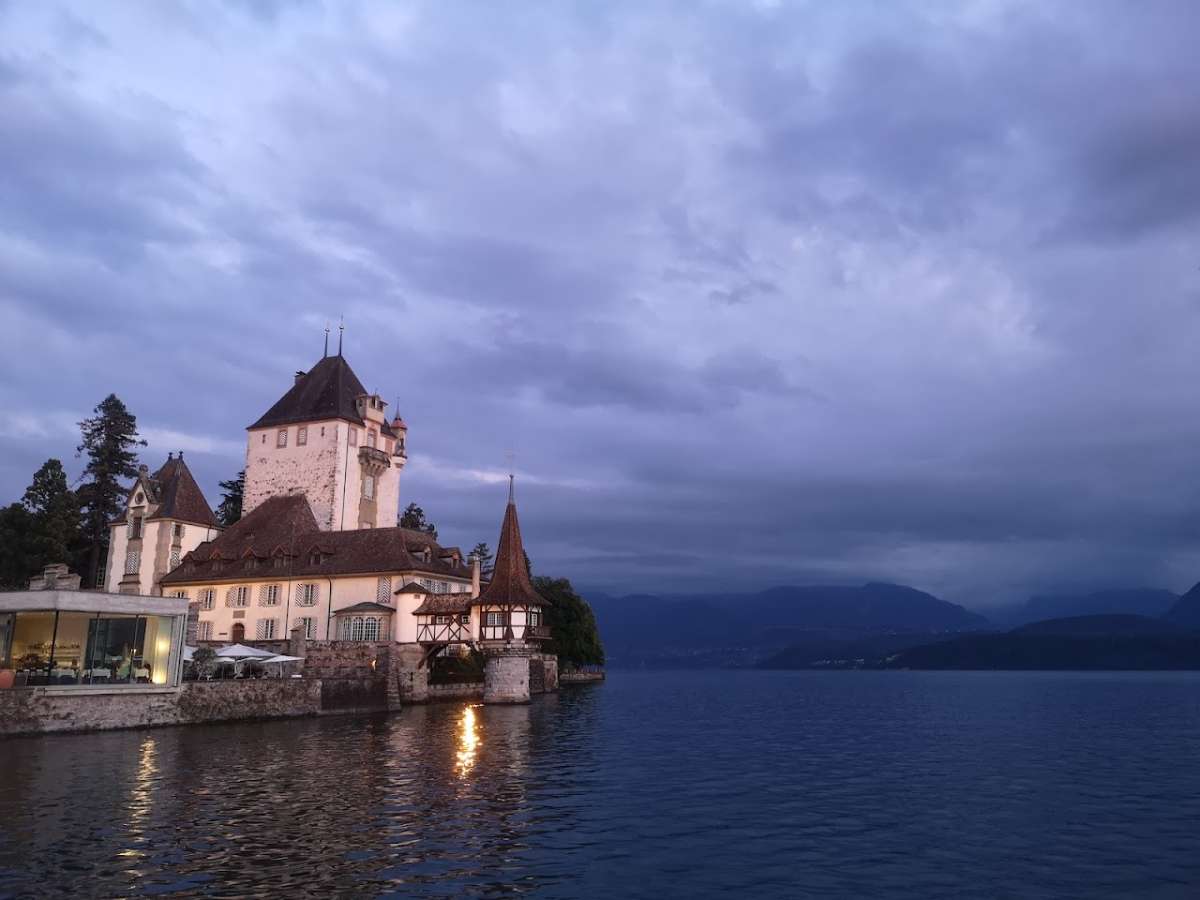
(757, 293)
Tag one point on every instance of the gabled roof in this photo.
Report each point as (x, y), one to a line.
(172, 493)
(510, 584)
(329, 390)
(413, 587)
(367, 606)
(287, 521)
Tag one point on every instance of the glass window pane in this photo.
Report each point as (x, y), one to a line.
(113, 643)
(33, 634)
(156, 650)
(69, 645)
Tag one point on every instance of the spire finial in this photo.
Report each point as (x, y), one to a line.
(510, 457)
(341, 329)
(326, 353)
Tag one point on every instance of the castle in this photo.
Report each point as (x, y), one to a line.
(317, 549)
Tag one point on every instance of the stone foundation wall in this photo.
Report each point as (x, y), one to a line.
(506, 677)
(38, 710)
(468, 690)
(355, 674)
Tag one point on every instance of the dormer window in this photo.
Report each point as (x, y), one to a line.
(251, 563)
(314, 558)
(217, 565)
(135, 528)
(280, 561)
(140, 498)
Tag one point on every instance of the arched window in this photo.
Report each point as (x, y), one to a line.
(371, 629)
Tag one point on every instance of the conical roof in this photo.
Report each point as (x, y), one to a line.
(510, 584)
(329, 390)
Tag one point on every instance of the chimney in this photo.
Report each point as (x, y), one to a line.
(475, 571)
(299, 375)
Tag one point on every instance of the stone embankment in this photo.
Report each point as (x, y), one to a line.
(40, 711)
(580, 677)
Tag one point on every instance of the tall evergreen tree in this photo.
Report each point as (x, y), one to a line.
(54, 533)
(486, 559)
(108, 439)
(17, 564)
(414, 517)
(232, 492)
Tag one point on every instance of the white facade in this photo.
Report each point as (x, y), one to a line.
(329, 462)
(135, 567)
(284, 602)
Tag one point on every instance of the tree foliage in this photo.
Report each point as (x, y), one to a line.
(17, 562)
(414, 517)
(232, 492)
(108, 440)
(572, 622)
(54, 527)
(486, 560)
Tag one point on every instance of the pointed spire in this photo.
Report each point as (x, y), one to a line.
(511, 489)
(326, 353)
(341, 330)
(510, 584)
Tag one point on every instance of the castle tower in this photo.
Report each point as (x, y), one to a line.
(329, 439)
(166, 516)
(510, 617)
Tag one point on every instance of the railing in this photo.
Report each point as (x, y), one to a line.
(537, 632)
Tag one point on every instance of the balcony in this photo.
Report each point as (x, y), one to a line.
(374, 457)
(445, 633)
(537, 632)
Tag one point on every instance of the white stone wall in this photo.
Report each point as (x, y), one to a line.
(156, 552)
(312, 469)
(347, 591)
(326, 470)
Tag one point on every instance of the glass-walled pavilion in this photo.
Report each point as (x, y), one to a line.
(91, 639)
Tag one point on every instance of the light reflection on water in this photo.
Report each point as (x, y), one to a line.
(468, 741)
(651, 785)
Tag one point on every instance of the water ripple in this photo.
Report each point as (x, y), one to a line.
(651, 785)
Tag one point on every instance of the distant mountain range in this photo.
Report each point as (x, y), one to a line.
(888, 625)
(740, 629)
(1133, 601)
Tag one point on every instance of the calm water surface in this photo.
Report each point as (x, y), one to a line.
(888, 784)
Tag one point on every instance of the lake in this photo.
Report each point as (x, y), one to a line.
(664, 784)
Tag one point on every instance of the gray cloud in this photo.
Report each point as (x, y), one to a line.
(756, 293)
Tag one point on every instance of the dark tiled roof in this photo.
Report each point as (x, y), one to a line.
(413, 587)
(510, 584)
(174, 492)
(366, 606)
(179, 497)
(285, 525)
(441, 604)
(329, 390)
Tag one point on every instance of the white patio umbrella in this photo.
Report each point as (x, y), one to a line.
(187, 652)
(241, 651)
(281, 659)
